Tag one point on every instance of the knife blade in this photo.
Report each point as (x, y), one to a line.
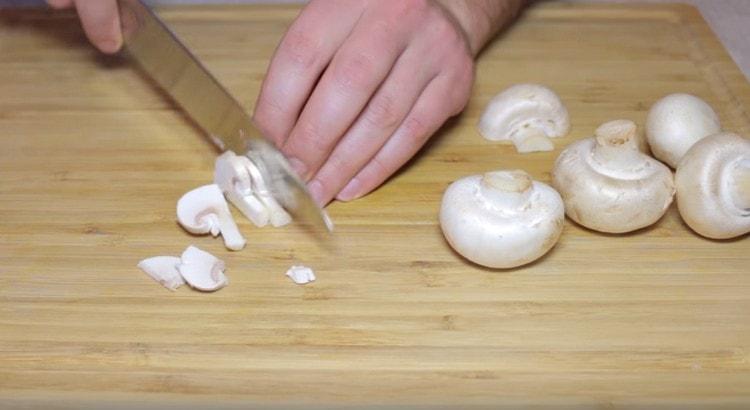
(158, 51)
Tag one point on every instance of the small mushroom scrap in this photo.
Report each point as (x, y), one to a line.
(201, 270)
(713, 186)
(675, 123)
(608, 185)
(242, 183)
(301, 274)
(163, 269)
(501, 219)
(526, 114)
(204, 210)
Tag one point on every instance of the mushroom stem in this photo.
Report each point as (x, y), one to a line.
(617, 145)
(506, 189)
(531, 140)
(741, 176)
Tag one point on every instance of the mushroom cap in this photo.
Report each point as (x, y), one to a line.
(675, 123)
(710, 197)
(201, 270)
(617, 189)
(521, 108)
(163, 269)
(501, 225)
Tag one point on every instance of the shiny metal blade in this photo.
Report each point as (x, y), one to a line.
(174, 68)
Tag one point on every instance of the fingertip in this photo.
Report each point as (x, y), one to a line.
(318, 193)
(109, 45)
(298, 167)
(351, 191)
(101, 22)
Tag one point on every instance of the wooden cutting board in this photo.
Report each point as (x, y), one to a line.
(93, 159)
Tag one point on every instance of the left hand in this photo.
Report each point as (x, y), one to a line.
(355, 88)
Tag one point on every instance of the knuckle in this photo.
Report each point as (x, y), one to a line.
(383, 112)
(379, 167)
(312, 140)
(445, 32)
(339, 165)
(355, 71)
(416, 128)
(300, 48)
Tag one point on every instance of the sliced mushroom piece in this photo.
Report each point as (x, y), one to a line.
(608, 185)
(675, 123)
(526, 114)
(204, 210)
(163, 269)
(713, 186)
(301, 274)
(501, 219)
(232, 176)
(201, 270)
(279, 217)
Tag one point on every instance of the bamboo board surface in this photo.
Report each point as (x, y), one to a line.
(93, 159)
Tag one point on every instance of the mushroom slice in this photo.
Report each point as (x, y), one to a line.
(501, 219)
(526, 114)
(301, 274)
(232, 176)
(608, 185)
(713, 186)
(279, 217)
(675, 123)
(204, 210)
(163, 269)
(201, 270)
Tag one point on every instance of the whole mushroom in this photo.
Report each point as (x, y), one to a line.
(526, 114)
(675, 123)
(713, 186)
(608, 185)
(501, 219)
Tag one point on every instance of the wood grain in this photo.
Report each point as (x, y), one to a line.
(93, 159)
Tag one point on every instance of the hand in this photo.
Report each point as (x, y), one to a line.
(100, 20)
(355, 88)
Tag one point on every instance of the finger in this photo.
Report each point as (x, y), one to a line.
(60, 4)
(101, 22)
(302, 55)
(382, 116)
(439, 101)
(355, 73)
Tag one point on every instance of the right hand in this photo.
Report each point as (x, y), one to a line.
(100, 20)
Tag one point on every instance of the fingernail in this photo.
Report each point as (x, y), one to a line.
(350, 191)
(316, 191)
(299, 167)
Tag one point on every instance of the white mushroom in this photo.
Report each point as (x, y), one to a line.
(201, 270)
(526, 114)
(204, 210)
(713, 186)
(608, 185)
(301, 274)
(232, 176)
(501, 219)
(675, 123)
(163, 269)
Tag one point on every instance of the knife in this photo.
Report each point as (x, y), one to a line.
(150, 43)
